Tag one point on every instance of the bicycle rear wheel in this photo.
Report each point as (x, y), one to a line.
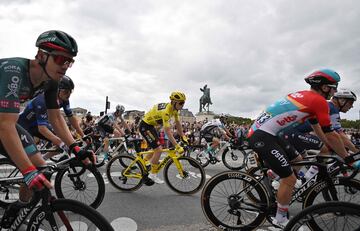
(79, 216)
(225, 202)
(194, 176)
(120, 178)
(334, 215)
(9, 193)
(89, 187)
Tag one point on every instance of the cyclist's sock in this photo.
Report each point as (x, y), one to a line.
(313, 170)
(282, 212)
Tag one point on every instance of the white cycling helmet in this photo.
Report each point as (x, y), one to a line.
(345, 94)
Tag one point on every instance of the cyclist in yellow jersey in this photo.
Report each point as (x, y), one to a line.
(160, 115)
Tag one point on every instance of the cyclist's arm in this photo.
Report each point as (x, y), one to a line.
(331, 139)
(75, 124)
(170, 135)
(347, 142)
(61, 129)
(43, 129)
(179, 128)
(10, 139)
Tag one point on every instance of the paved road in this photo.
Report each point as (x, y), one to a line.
(157, 208)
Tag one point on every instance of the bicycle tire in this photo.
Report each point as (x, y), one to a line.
(325, 216)
(232, 159)
(320, 193)
(192, 171)
(114, 172)
(254, 172)
(8, 193)
(223, 187)
(90, 219)
(197, 153)
(88, 188)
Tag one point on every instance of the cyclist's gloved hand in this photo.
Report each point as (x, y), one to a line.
(34, 179)
(185, 140)
(81, 154)
(179, 149)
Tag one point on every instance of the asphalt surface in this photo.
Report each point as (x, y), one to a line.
(157, 207)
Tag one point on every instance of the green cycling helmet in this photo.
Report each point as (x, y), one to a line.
(57, 40)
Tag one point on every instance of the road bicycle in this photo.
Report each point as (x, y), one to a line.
(231, 154)
(182, 174)
(328, 216)
(234, 200)
(74, 180)
(45, 212)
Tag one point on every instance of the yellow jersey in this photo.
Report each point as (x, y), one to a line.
(161, 114)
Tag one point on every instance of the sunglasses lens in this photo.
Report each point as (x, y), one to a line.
(61, 60)
(181, 103)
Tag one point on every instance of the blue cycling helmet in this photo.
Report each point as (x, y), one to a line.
(323, 76)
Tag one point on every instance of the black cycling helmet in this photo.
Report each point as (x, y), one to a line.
(57, 40)
(66, 83)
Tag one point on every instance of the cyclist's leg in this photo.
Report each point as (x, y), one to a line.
(150, 135)
(25, 193)
(269, 149)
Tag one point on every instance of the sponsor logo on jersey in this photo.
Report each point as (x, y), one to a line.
(12, 68)
(13, 86)
(286, 120)
(297, 95)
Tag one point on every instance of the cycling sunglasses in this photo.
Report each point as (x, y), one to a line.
(61, 59)
(333, 86)
(181, 103)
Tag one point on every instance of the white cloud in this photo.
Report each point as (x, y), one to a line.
(248, 52)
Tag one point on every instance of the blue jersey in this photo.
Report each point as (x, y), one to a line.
(35, 113)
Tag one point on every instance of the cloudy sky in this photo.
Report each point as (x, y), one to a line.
(248, 52)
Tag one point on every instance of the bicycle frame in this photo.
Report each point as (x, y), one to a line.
(172, 154)
(43, 195)
(316, 181)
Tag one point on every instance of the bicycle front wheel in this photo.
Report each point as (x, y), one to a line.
(334, 215)
(121, 176)
(347, 190)
(9, 193)
(233, 159)
(68, 215)
(89, 187)
(226, 204)
(193, 176)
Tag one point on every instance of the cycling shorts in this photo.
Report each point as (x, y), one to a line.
(150, 134)
(274, 151)
(208, 135)
(303, 141)
(27, 142)
(104, 129)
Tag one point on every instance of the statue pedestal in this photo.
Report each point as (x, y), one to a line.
(201, 116)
